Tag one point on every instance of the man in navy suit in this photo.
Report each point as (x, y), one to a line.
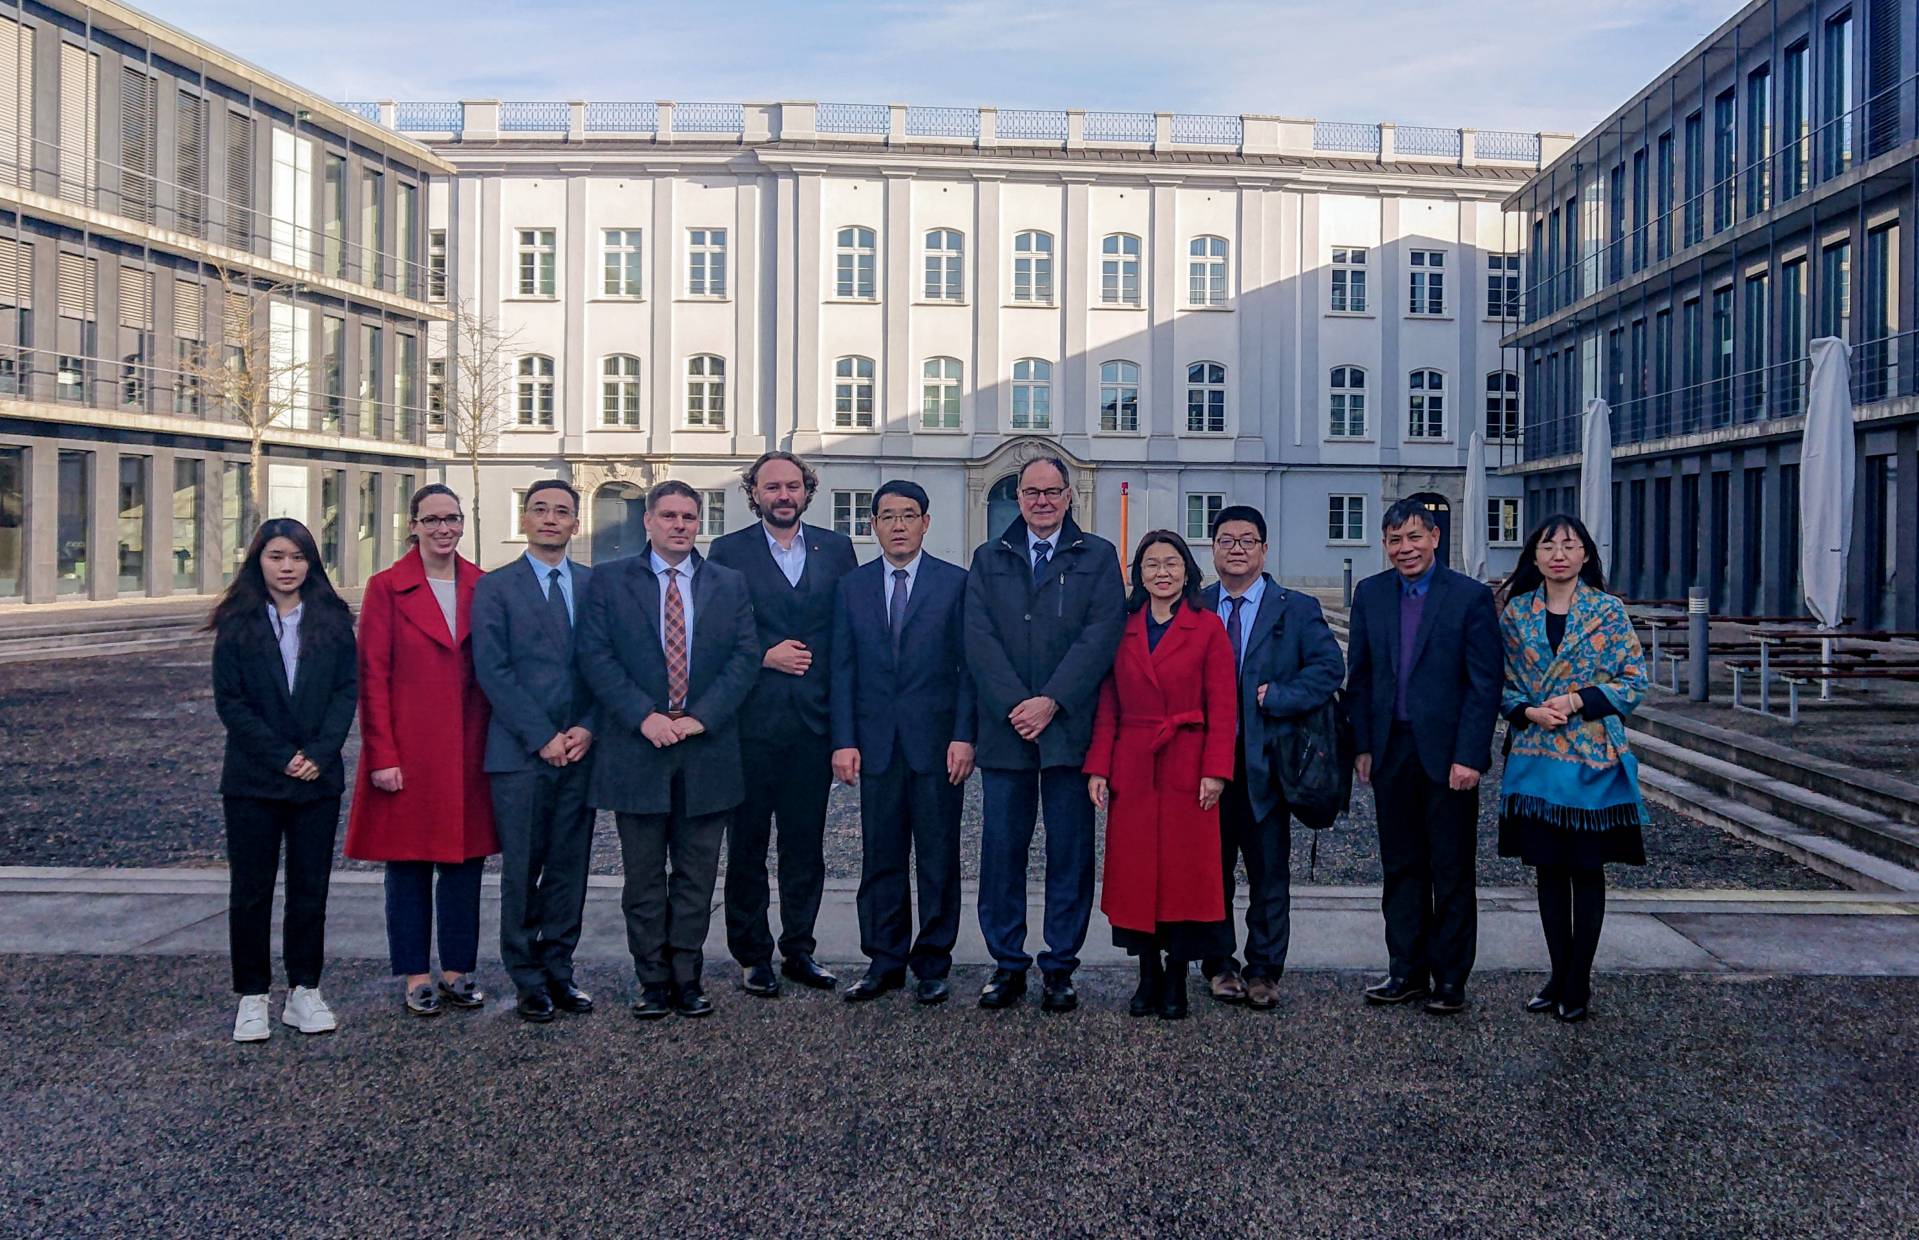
(1426, 671)
(903, 723)
(1289, 663)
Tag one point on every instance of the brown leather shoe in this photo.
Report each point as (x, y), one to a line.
(1227, 988)
(1262, 993)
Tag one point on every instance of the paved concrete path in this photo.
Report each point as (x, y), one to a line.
(183, 912)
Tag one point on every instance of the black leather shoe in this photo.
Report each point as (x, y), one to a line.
(535, 1007)
(1542, 1002)
(807, 972)
(1396, 990)
(689, 1000)
(761, 980)
(1172, 999)
(873, 985)
(1568, 1014)
(652, 1004)
(1447, 1001)
(1004, 990)
(461, 992)
(932, 990)
(1151, 988)
(569, 998)
(1058, 994)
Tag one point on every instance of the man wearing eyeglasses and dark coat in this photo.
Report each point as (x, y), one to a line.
(1044, 611)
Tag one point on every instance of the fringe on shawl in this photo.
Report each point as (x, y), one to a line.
(1604, 818)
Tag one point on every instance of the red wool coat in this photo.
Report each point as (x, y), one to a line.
(422, 711)
(1166, 718)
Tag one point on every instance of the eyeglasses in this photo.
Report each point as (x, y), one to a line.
(434, 523)
(895, 518)
(1244, 543)
(1160, 566)
(1041, 492)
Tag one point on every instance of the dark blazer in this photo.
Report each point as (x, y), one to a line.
(782, 610)
(924, 696)
(617, 642)
(1458, 670)
(266, 725)
(523, 659)
(1054, 638)
(1289, 649)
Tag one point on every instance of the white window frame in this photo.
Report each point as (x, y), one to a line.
(856, 264)
(515, 501)
(945, 267)
(620, 392)
(536, 264)
(1208, 272)
(1119, 377)
(853, 513)
(1348, 400)
(1035, 385)
(1502, 522)
(1205, 505)
(436, 264)
(940, 391)
(1033, 275)
(705, 392)
(706, 263)
(1498, 402)
(1351, 510)
(855, 380)
(1346, 290)
(1426, 405)
(1119, 269)
(435, 393)
(533, 392)
(1426, 284)
(622, 263)
(1206, 395)
(713, 512)
(1502, 286)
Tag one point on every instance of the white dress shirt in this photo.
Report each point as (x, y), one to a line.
(1033, 541)
(541, 571)
(792, 560)
(912, 571)
(1247, 612)
(286, 630)
(685, 582)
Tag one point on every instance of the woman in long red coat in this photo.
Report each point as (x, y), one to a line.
(1161, 754)
(421, 801)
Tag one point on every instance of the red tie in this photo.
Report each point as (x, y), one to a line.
(675, 643)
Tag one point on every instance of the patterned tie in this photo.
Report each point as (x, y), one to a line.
(896, 609)
(675, 643)
(1232, 628)
(556, 601)
(1042, 554)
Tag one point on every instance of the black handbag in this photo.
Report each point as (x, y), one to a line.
(1312, 759)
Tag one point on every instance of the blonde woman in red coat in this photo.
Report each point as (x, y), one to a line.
(1161, 754)
(421, 802)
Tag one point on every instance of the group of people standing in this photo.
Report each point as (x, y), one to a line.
(710, 701)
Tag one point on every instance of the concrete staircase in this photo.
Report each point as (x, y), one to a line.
(77, 637)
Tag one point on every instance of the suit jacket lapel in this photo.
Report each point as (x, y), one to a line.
(1428, 613)
(926, 581)
(646, 595)
(1253, 633)
(1135, 641)
(276, 669)
(533, 593)
(1389, 632)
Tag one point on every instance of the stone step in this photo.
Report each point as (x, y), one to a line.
(1860, 828)
(54, 641)
(102, 624)
(104, 646)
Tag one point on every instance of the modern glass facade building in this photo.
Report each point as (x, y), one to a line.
(1757, 195)
(192, 249)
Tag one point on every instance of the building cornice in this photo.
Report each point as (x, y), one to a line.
(208, 428)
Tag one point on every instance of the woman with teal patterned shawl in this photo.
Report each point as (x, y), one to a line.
(1570, 788)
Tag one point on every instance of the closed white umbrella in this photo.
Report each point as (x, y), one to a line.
(1595, 477)
(1472, 535)
(1826, 464)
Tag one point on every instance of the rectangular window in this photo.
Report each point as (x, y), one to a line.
(403, 485)
(1616, 224)
(945, 265)
(1427, 279)
(1201, 508)
(1787, 560)
(332, 495)
(79, 127)
(16, 104)
(406, 377)
(1882, 553)
(131, 555)
(1794, 119)
(1691, 365)
(333, 215)
(1755, 323)
(16, 318)
(1835, 290)
(1752, 595)
(436, 394)
(75, 290)
(1346, 519)
(436, 264)
(1349, 280)
(1636, 381)
(369, 381)
(1758, 140)
(332, 372)
(372, 227)
(712, 513)
(1502, 522)
(1792, 335)
(1119, 265)
(238, 515)
(290, 200)
(1641, 204)
(1695, 179)
(1663, 169)
(406, 249)
(73, 535)
(853, 513)
(535, 262)
(1720, 408)
(138, 137)
(1879, 309)
(366, 529)
(190, 162)
(1662, 537)
(620, 262)
(1033, 268)
(1502, 286)
(1723, 154)
(706, 262)
(13, 509)
(1835, 130)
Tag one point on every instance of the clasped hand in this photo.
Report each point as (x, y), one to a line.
(663, 731)
(1030, 717)
(302, 768)
(1556, 711)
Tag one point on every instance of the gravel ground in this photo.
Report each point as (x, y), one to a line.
(115, 762)
(1685, 1107)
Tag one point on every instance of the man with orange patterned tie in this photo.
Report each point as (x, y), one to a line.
(667, 644)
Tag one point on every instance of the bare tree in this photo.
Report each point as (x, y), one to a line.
(257, 374)
(479, 396)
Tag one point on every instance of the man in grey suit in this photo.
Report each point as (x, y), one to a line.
(537, 750)
(668, 646)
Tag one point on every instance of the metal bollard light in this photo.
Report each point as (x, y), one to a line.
(1349, 583)
(1698, 643)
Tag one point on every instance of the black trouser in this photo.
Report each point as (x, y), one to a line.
(546, 838)
(1426, 840)
(1572, 908)
(667, 913)
(1267, 845)
(255, 826)
(907, 816)
(788, 776)
(420, 892)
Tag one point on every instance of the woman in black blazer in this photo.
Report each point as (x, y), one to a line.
(285, 683)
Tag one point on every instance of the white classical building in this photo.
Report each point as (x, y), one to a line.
(1192, 310)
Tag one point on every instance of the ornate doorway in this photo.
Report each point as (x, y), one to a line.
(991, 481)
(617, 530)
(1442, 510)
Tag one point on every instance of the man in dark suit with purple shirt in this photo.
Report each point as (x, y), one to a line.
(1426, 667)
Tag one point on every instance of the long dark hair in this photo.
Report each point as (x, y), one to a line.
(326, 615)
(1526, 578)
(1189, 593)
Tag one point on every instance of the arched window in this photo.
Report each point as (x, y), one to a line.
(945, 265)
(1426, 405)
(1206, 272)
(1346, 404)
(534, 395)
(1119, 396)
(1206, 398)
(1119, 270)
(706, 390)
(1502, 405)
(853, 393)
(854, 264)
(940, 394)
(1032, 393)
(1033, 267)
(620, 390)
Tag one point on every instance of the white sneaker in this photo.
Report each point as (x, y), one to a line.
(306, 1011)
(251, 1024)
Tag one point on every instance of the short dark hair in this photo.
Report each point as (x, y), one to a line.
(550, 484)
(1239, 512)
(671, 486)
(1400, 511)
(905, 490)
(1189, 592)
(751, 476)
(1065, 475)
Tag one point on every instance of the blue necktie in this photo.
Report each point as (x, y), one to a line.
(1232, 628)
(896, 608)
(1042, 555)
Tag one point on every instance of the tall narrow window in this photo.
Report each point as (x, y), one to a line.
(706, 262)
(619, 262)
(620, 390)
(77, 330)
(290, 199)
(1835, 290)
(940, 394)
(1721, 407)
(366, 533)
(1695, 179)
(373, 240)
(190, 163)
(1202, 507)
(436, 394)
(435, 264)
(186, 545)
(131, 558)
(1119, 270)
(1661, 372)
(1502, 405)
(1426, 405)
(853, 393)
(1206, 271)
(406, 231)
(1792, 335)
(1349, 280)
(368, 385)
(1426, 282)
(333, 215)
(1755, 322)
(1692, 395)
(1641, 205)
(535, 262)
(1206, 398)
(1794, 119)
(1758, 163)
(1502, 286)
(332, 372)
(1032, 395)
(1346, 518)
(1836, 119)
(1663, 170)
(406, 385)
(533, 403)
(79, 130)
(136, 336)
(1346, 403)
(1723, 155)
(16, 118)
(1118, 396)
(1033, 267)
(1616, 223)
(706, 390)
(1879, 310)
(1636, 382)
(853, 264)
(945, 265)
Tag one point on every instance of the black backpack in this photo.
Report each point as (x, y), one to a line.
(1312, 759)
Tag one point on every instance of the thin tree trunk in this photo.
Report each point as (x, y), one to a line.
(256, 476)
(473, 505)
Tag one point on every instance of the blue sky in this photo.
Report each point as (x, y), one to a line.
(1548, 64)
